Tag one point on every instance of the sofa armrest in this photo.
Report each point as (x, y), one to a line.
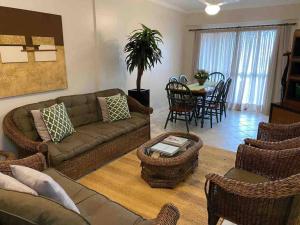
(135, 106)
(168, 215)
(12, 132)
(37, 162)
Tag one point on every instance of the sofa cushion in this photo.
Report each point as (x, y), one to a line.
(23, 118)
(89, 136)
(70, 147)
(94, 206)
(17, 207)
(107, 131)
(245, 176)
(82, 109)
(76, 191)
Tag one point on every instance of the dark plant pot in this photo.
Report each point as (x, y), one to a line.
(142, 96)
(201, 81)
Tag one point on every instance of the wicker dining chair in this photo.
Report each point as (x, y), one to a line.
(183, 79)
(213, 103)
(181, 103)
(216, 77)
(223, 106)
(262, 189)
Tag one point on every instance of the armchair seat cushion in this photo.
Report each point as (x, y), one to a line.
(94, 206)
(245, 176)
(89, 136)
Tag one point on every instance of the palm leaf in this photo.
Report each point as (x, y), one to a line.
(142, 49)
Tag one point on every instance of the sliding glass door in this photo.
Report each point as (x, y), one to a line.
(246, 57)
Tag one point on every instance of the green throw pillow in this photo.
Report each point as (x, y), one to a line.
(117, 107)
(57, 122)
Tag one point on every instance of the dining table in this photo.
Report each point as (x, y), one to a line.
(201, 91)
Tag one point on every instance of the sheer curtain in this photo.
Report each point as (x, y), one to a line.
(251, 70)
(249, 57)
(216, 51)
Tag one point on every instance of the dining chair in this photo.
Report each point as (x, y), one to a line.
(213, 103)
(181, 103)
(183, 79)
(223, 106)
(173, 79)
(262, 189)
(216, 77)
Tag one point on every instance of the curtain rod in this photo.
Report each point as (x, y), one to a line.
(240, 27)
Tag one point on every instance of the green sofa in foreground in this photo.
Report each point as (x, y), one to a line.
(18, 208)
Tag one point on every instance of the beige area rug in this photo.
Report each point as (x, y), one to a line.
(120, 181)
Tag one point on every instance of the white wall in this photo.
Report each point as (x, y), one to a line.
(79, 40)
(234, 17)
(115, 21)
(94, 65)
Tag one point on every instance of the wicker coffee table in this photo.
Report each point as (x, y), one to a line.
(167, 172)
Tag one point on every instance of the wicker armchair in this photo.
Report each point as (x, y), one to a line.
(168, 214)
(276, 136)
(262, 189)
(274, 145)
(277, 132)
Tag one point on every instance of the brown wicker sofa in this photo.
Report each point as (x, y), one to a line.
(95, 209)
(92, 145)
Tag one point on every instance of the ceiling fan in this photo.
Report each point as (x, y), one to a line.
(213, 7)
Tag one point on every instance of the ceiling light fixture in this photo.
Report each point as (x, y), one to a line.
(212, 9)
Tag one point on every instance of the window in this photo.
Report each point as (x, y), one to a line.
(246, 56)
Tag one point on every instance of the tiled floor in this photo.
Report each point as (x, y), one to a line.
(227, 135)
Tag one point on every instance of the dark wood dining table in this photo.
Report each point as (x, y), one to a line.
(201, 91)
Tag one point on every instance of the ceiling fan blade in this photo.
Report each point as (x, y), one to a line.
(229, 2)
(203, 2)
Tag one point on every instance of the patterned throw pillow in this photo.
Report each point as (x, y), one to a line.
(117, 108)
(57, 122)
(103, 107)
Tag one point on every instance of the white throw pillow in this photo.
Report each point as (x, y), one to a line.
(43, 185)
(40, 124)
(11, 184)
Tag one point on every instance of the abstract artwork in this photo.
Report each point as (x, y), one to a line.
(32, 56)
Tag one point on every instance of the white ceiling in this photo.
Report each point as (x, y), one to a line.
(196, 6)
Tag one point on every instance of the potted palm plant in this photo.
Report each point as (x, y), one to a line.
(143, 53)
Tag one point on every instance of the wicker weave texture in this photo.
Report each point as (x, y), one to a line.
(104, 153)
(168, 214)
(267, 203)
(168, 172)
(277, 132)
(84, 163)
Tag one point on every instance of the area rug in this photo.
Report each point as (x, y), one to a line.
(120, 181)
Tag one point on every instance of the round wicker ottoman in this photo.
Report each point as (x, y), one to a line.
(167, 172)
